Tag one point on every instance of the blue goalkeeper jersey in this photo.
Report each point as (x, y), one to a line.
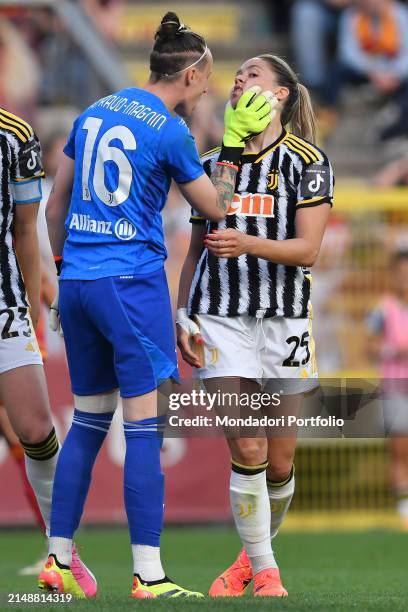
(127, 147)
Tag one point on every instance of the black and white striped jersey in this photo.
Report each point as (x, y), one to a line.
(20, 184)
(271, 186)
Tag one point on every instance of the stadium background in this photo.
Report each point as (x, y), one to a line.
(55, 58)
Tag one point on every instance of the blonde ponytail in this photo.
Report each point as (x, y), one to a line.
(303, 119)
(297, 112)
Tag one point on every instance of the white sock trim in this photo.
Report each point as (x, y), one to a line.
(61, 548)
(147, 562)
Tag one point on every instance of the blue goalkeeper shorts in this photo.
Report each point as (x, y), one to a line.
(118, 332)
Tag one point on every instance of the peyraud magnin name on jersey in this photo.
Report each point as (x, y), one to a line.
(133, 108)
(123, 228)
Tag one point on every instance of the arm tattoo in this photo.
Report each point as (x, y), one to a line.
(223, 179)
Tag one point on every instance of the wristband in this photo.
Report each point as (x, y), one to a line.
(228, 164)
(230, 156)
(58, 263)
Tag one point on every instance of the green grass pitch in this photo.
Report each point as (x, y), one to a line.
(322, 571)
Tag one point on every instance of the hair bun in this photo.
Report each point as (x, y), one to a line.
(169, 27)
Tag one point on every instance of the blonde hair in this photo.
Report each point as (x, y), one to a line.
(297, 113)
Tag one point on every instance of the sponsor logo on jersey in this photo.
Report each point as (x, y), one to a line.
(125, 230)
(316, 181)
(86, 224)
(257, 204)
(30, 159)
(315, 184)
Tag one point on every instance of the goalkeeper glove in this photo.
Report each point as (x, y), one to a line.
(252, 115)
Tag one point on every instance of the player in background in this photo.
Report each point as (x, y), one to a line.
(248, 290)
(16, 449)
(104, 218)
(387, 325)
(17, 452)
(23, 390)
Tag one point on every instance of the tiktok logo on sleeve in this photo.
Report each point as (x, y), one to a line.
(29, 163)
(315, 181)
(32, 162)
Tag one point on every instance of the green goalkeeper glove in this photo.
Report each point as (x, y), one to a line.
(252, 115)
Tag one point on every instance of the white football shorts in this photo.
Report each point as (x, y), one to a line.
(277, 352)
(18, 343)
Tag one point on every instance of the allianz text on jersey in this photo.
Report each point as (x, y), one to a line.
(123, 228)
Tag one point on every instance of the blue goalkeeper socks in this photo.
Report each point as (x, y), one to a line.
(74, 470)
(144, 481)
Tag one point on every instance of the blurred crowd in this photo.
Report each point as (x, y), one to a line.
(355, 44)
(337, 46)
(40, 65)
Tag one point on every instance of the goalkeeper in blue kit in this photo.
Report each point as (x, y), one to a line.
(106, 233)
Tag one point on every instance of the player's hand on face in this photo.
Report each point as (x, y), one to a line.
(252, 115)
(188, 330)
(226, 243)
(55, 323)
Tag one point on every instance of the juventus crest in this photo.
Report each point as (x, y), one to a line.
(273, 178)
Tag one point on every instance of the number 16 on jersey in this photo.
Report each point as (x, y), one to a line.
(106, 152)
